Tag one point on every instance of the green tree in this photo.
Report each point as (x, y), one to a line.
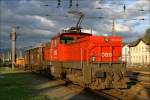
(146, 37)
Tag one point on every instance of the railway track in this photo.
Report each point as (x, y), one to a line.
(102, 94)
(140, 86)
(140, 76)
(138, 91)
(116, 94)
(110, 95)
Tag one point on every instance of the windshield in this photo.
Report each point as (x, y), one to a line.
(66, 39)
(70, 38)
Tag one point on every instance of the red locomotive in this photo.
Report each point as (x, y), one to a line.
(90, 61)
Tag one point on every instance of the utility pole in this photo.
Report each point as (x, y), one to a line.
(113, 27)
(13, 45)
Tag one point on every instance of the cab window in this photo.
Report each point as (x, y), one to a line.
(66, 39)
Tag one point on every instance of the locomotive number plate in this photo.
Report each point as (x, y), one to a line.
(106, 54)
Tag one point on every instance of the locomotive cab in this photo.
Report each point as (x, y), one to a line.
(72, 35)
(67, 38)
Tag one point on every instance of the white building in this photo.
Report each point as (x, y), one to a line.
(137, 53)
(125, 53)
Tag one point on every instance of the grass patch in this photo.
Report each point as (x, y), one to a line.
(5, 69)
(18, 86)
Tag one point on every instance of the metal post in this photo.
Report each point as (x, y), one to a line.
(13, 49)
(9, 56)
(113, 27)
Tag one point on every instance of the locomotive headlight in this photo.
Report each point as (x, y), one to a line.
(93, 59)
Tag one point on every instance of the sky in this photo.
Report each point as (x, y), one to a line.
(36, 27)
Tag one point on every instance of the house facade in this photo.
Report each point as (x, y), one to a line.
(137, 53)
(125, 53)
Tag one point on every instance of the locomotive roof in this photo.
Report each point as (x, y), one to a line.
(88, 34)
(72, 31)
(60, 34)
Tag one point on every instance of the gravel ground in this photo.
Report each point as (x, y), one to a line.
(56, 89)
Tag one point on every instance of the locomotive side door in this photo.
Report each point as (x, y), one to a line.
(54, 49)
(56, 68)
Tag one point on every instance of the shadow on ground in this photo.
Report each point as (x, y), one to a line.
(21, 86)
(88, 95)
